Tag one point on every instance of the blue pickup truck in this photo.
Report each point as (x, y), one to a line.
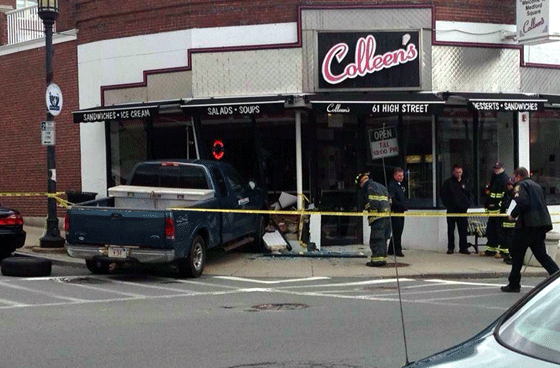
(148, 220)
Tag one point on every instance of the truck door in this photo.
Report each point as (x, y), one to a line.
(227, 201)
(244, 199)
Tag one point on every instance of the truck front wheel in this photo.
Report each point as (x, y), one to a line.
(193, 264)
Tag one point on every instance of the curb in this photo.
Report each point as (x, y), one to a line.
(54, 260)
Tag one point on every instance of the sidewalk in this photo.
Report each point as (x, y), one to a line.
(416, 263)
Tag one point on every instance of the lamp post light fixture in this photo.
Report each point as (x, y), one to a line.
(48, 12)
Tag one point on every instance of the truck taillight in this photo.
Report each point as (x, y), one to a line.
(13, 219)
(66, 223)
(169, 228)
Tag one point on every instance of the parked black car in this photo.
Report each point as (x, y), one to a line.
(526, 336)
(12, 235)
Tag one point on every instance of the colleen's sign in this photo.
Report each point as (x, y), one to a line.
(369, 60)
(534, 22)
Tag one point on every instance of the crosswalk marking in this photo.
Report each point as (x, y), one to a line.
(232, 278)
(356, 290)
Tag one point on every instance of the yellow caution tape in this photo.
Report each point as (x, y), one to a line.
(339, 213)
(38, 194)
(61, 201)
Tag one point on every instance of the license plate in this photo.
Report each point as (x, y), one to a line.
(117, 252)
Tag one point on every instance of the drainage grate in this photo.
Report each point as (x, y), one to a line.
(83, 280)
(279, 306)
(380, 288)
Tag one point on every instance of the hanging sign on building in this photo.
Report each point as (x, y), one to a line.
(534, 23)
(507, 105)
(99, 115)
(383, 142)
(368, 60)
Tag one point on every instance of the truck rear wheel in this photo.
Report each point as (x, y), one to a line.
(97, 267)
(193, 264)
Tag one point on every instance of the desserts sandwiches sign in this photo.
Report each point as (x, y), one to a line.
(368, 60)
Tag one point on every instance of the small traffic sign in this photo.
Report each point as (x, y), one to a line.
(47, 133)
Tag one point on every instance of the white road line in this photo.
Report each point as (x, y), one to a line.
(271, 282)
(205, 284)
(172, 296)
(182, 291)
(457, 297)
(384, 299)
(12, 303)
(356, 283)
(136, 296)
(17, 287)
(450, 282)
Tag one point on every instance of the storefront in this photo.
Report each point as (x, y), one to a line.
(304, 118)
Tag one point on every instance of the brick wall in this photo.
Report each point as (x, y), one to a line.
(23, 158)
(105, 19)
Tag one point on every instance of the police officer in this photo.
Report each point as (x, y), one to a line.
(532, 223)
(456, 198)
(494, 200)
(377, 200)
(397, 190)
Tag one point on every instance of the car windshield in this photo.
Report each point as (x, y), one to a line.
(535, 329)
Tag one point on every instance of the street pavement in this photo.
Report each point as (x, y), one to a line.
(344, 261)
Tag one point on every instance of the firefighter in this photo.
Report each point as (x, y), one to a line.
(494, 200)
(507, 225)
(377, 200)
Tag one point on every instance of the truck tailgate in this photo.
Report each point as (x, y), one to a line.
(104, 225)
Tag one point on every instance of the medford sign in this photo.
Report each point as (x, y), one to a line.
(369, 60)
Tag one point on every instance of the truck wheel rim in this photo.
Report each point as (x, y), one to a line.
(197, 256)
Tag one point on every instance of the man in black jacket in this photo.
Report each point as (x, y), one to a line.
(456, 198)
(532, 222)
(397, 191)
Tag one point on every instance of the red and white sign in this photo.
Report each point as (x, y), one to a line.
(374, 60)
(365, 59)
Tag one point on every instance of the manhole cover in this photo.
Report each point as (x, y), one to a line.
(280, 306)
(83, 280)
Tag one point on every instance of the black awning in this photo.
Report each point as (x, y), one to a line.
(514, 102)
(219, 107)
(371, 103)
(123, 112)
(553, 100)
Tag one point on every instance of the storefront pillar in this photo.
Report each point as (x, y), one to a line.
(299, 170)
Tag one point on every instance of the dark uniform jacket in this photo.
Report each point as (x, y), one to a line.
(455, 195)
(398, 197)
(377, 198)
(497, 191)
(530, 209)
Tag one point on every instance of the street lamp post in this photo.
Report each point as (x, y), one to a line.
(48, 11)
